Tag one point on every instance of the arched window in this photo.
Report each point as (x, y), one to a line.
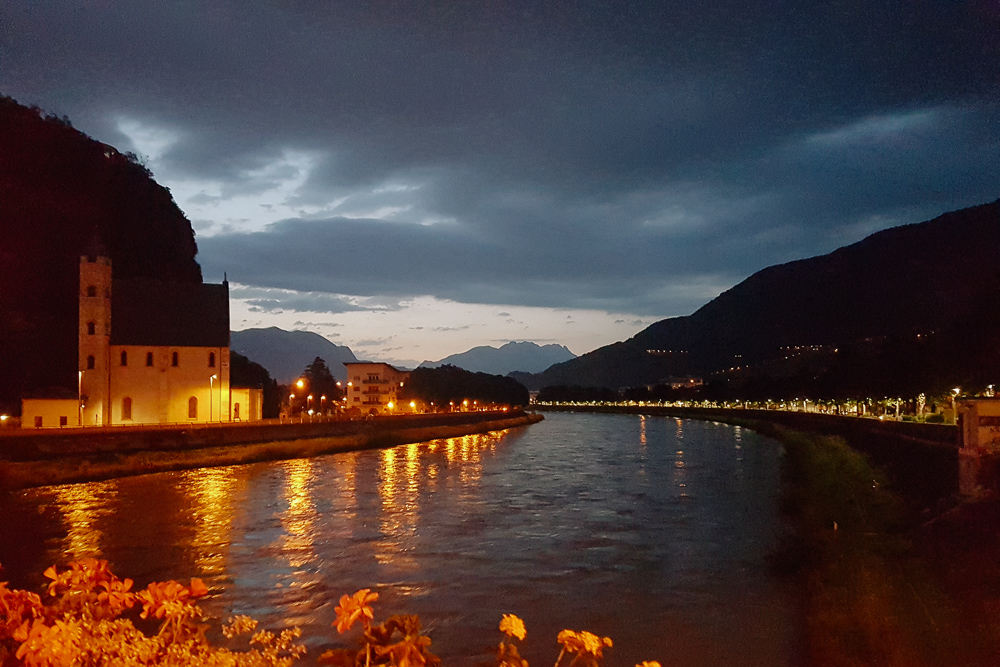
(192, 407)
(211, 359)
(149, 358)
(126, 408)
(90, 362)
(173, 360)
(91, 328)
(91, 290)
(236, 411)
(124, 358)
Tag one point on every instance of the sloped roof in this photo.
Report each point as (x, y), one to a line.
(159, 313)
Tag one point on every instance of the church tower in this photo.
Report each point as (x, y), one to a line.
(95, 337)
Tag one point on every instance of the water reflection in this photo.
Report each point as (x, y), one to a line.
(81, 506)
(574, 522)
(211, 494)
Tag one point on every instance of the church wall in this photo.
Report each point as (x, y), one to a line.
(248, 404)
(161, 393)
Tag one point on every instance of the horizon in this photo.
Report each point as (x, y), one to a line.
(413, 183)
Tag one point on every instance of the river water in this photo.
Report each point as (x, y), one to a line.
(650, 530)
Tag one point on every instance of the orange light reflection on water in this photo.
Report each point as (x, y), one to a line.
(406, 472)
(81, 505)
(211, 493)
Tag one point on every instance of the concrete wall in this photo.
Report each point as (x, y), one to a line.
(53, 413)
(21, 445)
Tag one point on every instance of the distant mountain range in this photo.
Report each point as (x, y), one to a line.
(933, 281)
(285, 354)
(525, 357)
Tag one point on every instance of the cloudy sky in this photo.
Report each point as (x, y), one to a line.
(415, 178)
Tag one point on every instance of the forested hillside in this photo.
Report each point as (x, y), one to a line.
(59, 190)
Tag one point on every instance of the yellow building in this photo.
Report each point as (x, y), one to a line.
(374, 388)
(150, 352)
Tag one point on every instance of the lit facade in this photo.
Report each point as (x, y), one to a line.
(375, 387)
(150, 352)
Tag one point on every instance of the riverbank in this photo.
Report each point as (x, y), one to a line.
(880, 586)
(78, 455)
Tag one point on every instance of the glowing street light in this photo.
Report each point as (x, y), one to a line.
(211, 392)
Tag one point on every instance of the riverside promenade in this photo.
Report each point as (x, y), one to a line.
(920, 459)
(55, 456)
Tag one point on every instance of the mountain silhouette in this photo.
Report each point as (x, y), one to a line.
(526, 357)
(285, 354)
(930, 281)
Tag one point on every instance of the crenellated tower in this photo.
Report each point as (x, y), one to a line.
(95, 337)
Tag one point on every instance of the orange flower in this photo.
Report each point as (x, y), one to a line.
(117, 595)
(198, 588)
(169, 597)
(513, 626)
(583, 642)
(83, 575)
(17, 607)
(353, 607)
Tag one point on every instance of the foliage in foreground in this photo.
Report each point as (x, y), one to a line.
(869, 600)
(83, 619)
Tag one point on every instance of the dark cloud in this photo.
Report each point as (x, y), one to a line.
(625, 156)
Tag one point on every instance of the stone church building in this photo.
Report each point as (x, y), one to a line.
(150, 352)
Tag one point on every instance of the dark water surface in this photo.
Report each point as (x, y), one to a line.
(650, 530)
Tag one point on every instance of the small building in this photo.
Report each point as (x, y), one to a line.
(375, 387)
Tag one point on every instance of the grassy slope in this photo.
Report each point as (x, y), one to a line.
(878, 590)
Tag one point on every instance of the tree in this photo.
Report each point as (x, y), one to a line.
(320, 382)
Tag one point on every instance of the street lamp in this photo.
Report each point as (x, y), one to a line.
(322, 402)
(211, 391)
(79, 399)
(309, 400)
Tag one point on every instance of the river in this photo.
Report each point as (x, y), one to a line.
(650, 530)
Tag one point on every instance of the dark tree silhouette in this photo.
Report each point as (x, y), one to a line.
(447, 384)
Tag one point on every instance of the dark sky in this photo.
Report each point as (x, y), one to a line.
(618, 161)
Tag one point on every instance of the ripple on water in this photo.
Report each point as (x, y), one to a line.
(647, 529)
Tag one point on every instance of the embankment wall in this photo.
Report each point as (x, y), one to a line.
(72, 455)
